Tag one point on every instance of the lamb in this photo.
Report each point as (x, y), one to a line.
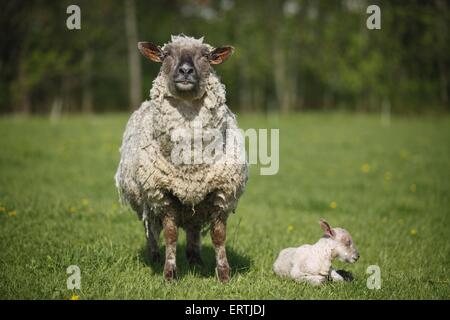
(166, 194)
(312, 263)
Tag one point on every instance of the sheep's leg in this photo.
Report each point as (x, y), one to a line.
(193, 245)
(170, 236)
(218, 236)
(152, 231)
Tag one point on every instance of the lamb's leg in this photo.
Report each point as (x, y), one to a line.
(340, 275)
(218, 236)
(335, 276)
(152, 231)
(170, 236)
(193, 245)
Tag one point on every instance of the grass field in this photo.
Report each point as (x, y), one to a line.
(388, 185)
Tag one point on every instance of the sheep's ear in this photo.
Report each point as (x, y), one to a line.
(151, 51)
(219, 55)
(327, 228)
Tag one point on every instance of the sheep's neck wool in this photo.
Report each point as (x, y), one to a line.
(146, 172)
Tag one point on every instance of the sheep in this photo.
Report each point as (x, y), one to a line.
(312, 263)
(187, 94)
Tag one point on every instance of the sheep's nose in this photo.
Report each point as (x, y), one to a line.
(186, 69)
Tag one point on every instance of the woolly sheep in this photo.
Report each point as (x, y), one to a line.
(186, 94)
(312, 263)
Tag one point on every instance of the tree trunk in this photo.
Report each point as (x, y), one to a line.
(443, 83)
(134, 62)
(56, 109)
(23, 100)
(86, 103)
(279, 71)
(244, 89)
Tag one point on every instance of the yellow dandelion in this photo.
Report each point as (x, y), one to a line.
(72, 209)
(290, 228)
(74, 297)
(413, 187)
(85, 202)
(333, 205)
(387, 176)
(12, 213)
(413, 232)
(365, 168)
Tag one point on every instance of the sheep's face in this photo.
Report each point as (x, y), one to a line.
(187, 69)
(186, 64)
(345, 250)
(343, 246)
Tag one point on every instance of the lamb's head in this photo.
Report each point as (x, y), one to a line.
(342, 242)
(186, 64)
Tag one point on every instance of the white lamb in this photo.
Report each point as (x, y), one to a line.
(312, 263)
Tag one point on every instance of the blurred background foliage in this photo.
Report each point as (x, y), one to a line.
(290, 55)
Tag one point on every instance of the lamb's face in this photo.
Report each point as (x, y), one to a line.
(186, 64)
(345, 250)
(343, 246)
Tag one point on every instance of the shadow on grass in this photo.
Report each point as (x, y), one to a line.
(239, 262)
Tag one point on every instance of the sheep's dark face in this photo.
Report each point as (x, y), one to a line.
(186, 65)
(187, 69)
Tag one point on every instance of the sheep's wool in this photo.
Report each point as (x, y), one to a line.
(146, 174)
(185, 41)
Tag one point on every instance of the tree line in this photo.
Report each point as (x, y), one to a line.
(290, 54)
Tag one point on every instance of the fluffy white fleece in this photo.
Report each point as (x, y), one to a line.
(313, 263)
(146, 174)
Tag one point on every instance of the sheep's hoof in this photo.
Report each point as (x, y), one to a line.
(224, 274)
(170, 273)
(346, 275)
(194, 258)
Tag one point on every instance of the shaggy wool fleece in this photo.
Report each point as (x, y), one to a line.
(146, 173)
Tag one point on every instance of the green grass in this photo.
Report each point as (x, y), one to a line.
(58, 178)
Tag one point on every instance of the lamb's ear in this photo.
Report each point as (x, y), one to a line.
(151, 51)
(327, 228)
(219, 55)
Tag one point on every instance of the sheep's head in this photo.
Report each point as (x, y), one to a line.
(343, 245)
(186, 63)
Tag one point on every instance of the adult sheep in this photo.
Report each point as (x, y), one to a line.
(166, 194)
